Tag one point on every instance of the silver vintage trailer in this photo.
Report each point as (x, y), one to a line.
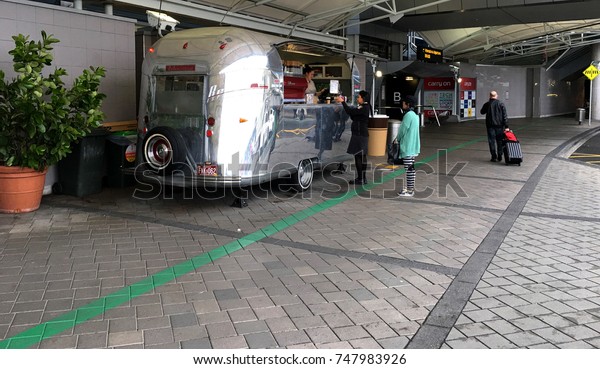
(224, 106)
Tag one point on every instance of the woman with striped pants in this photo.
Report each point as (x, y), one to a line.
(410, 144)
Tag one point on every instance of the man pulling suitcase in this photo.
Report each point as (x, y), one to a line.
(496, 120)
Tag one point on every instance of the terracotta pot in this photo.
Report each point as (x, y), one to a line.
(20, 189)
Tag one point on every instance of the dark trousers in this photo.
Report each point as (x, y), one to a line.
(495, 136)
(360, 160)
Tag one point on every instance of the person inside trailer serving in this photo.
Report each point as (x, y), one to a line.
(309, 74)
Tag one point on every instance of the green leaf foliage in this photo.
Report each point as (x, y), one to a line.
(39, 117)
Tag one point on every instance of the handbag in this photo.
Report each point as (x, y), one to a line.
(394, 153)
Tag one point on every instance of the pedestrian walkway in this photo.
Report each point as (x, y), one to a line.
(484, 256)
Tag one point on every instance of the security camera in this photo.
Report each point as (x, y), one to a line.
(161, 21)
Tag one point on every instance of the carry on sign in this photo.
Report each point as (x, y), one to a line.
(591, 72)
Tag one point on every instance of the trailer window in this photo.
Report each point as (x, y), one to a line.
(179, 95)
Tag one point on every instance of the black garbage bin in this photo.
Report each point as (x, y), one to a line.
(80, 173)
(120, 153)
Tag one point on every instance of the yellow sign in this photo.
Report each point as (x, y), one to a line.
(591, 72)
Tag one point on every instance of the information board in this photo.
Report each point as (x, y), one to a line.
(439, 94)
(468, 97)
(429, 55)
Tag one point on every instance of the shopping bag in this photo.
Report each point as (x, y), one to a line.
(394, 153)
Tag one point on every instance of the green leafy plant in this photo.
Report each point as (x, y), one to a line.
(39, 117)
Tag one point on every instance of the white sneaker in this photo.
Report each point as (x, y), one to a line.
(406, 193)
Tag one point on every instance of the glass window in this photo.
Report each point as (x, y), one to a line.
(179, 95)
(335, 72)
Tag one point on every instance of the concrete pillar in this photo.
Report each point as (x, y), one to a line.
(397, 51)
(78, 4)
(352, 43)
(595, 85)
(108, 7)
(536, 93)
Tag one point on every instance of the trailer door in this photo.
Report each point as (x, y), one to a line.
(179, 103)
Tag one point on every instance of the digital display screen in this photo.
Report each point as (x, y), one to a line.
(429, 55)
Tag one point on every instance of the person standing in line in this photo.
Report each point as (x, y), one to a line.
(495, 121)
(410, 144)
(359, 140)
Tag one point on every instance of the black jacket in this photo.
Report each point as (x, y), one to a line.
(360, 118)
(495, 113)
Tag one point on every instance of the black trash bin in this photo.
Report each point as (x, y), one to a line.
(120, 154)
(80, 173)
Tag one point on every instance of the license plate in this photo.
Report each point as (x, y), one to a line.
(207, 170)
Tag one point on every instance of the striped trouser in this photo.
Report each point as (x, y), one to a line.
(411, 173)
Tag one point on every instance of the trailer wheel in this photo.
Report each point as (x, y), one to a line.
(164, 149)
(302, 179)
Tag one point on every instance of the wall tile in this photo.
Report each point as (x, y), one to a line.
(9, 10)
(44, 16)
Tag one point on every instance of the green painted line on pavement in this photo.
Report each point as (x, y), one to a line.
(98, 307)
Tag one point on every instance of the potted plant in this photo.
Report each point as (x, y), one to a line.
(40, 118)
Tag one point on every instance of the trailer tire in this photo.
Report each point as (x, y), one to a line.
(302, 179)
(164, 150)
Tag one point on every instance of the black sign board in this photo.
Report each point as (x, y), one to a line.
(429, 55)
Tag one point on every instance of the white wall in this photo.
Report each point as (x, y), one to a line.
(509, 82)
(526, 91)
(86, 39)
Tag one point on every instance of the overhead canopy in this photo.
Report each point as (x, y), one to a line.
(497, 31)
(418, 69)
(520, 32)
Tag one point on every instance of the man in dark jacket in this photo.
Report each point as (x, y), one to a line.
(495, 120)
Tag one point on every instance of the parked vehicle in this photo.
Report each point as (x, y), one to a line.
(215, 110)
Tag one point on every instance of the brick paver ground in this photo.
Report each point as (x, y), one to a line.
(485, 256)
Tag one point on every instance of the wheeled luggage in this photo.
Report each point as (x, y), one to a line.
(512, 153)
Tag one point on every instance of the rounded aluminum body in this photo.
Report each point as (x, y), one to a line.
(212, 105)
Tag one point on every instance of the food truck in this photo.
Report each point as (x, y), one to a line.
(225, 106)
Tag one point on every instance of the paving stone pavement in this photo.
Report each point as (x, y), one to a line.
(484, 256)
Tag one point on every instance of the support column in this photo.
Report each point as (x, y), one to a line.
(536, 93)
(108, 7)
(352, 44)
(397, 51)
(78, 4)
(595, 85)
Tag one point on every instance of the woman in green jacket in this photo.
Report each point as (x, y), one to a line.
(410, 144)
